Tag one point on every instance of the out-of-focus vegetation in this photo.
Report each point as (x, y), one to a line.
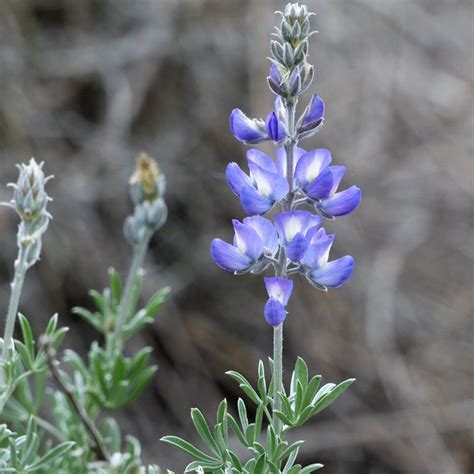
(86, 85)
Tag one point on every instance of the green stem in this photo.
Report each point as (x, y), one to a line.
(139, 252)
(16, 287)
(278, 374)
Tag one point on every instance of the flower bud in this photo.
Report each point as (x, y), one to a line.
(312, 118)
(29, 196)
(275, 81)
(152, 214)
(146, 183)
(245, 129)
(274, 128)
(148, 217)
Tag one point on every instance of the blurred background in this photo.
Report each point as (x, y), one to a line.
(87, 85)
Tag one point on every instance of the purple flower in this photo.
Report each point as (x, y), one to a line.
(245, 129)
(311, 173)
(319, 271)
(275, 81)
(267, 233)
(260, 190)
(341, 203)
(274, 128)
(312, 117)
(246, 250)
(279, 291)
(319, 182)
(295, 230)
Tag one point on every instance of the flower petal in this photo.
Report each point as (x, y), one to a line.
(321, 233)
(274, 128)
(275, 312)
(342, 203)
(261, 159)
(289, 224)
(266, 232)
(296, 248)
(247, 240)
(236, 178)
(335, 273)
(314, 112)
(271, 185)
(310, 165)
(338, 173)
(253, 202)
(275, 74)
(320, 188)
(317, 254)
(279, 289)
(228, 257)
(245, 129)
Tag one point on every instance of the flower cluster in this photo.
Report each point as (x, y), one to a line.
(294, 243)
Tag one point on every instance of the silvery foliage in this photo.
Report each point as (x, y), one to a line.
(39, 377)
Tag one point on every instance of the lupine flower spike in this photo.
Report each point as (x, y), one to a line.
(291, 243)
(294, 243)
(295, 177)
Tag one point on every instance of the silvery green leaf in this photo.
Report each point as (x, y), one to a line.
(236, 429)
(311, 468)
(242, 409)
(188, 448)
(203, 430)
(301, 372)
(245, 386)
(55, 453)
(115, 286)
(324, 401)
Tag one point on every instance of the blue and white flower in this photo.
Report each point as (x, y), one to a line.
(319, 182)
(247, 130)
(253, 239)
(279, 291)
(295, 231)
(312, 118)
(262, 188)
(318, 270)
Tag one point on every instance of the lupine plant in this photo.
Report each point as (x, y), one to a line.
(52, 401)
(299, 188)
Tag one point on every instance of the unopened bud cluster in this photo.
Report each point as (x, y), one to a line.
(29, 196)
(291, 73)
(147, 186)
(29, 201)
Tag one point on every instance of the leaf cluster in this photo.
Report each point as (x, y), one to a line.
(106, 379)
(269, 451)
